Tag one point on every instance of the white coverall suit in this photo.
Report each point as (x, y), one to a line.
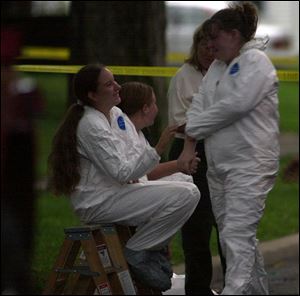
(236, 112)
(139, 138)
(109, 159)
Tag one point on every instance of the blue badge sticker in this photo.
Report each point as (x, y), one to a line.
(121, 123)
(234, 69)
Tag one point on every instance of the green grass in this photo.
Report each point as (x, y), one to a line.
(54, 91)
(53, 214)
(289, 107)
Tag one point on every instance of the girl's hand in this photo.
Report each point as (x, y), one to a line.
(165, 138)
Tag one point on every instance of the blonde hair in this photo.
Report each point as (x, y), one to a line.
(193, 58)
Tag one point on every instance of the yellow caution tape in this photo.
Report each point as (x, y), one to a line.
(144, 71)
(176, 57)
(62, 69)
(116, 70)
(292, 76)
(48, 53)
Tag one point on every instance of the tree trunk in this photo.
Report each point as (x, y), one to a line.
(12, 10)
(122, 33)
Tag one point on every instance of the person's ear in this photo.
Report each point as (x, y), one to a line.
(146, 109)
(92, 96)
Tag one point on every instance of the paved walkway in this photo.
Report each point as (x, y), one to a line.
(281, 262)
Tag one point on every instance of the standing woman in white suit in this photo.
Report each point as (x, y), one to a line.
(236, 112)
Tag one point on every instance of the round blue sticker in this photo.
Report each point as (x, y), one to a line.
(234, 69)
(121, 123)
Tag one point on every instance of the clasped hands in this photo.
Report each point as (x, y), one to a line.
(188, 160)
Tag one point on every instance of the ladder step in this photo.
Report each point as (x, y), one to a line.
(86, 228)
(83, 270)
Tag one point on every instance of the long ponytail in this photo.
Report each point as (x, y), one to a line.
(63, 161)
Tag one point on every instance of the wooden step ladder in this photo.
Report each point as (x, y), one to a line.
(91, 261)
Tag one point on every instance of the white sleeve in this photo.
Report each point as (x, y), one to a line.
(196, 108)
(111, 157)
(252, 84)
(176, 106)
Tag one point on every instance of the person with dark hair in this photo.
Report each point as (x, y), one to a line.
(95, 162)
(196, 232)
(236, 112)
(138, 102)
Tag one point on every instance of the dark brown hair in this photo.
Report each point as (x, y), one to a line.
(134, 95)
(63, 161)
(242, 17)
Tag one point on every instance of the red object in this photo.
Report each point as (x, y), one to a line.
(11, 41)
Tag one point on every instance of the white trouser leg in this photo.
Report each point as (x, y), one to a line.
(259, 284)
(238, 210)
(158, 208)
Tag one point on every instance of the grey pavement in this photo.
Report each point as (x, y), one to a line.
(281, 258)
(289, 143)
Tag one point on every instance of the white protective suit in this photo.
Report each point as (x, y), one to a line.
(236, 111)
(109, 158)
(139, 139)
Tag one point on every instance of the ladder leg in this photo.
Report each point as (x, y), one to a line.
(66, 257)
(101, 281)
(115, 249)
